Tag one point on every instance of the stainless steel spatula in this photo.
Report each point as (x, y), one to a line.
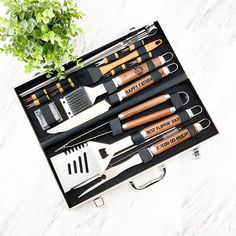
(78, 166)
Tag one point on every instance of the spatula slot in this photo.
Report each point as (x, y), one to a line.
(86, 163)
(69, 169)
(80, 164)
(75, 167)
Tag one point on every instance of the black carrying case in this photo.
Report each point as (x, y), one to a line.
(175, 82)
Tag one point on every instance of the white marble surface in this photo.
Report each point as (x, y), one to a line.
(197, 197)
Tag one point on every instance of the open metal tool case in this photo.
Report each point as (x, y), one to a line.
(174, 83)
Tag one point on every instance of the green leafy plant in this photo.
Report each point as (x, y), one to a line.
(39, 32)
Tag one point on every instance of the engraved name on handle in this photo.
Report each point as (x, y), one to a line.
(170, 142)
(161, 126)
(141, 84)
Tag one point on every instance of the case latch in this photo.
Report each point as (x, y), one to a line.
(154, 179)
(99, 202)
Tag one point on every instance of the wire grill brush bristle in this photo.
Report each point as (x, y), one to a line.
(76, 101)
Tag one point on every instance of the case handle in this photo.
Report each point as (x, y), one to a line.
(151, 181)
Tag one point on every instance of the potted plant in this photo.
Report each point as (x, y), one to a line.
(39, 32)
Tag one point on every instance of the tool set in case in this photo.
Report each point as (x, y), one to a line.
(127, 107)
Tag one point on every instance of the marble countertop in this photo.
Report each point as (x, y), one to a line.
(197, 197)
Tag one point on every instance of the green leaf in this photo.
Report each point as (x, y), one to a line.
(45, 13)
(22, 15)
(45, 20)
(22, 41)
(31, 24)
(45, 37)
(3, 38)
(26, 52)
(34, 54)
(52, 36)
(32, 21)
(37, 33)
(38, 17)
(50, 13)
(48, 76)
(44, 29)
(24, 7)
(24, 26)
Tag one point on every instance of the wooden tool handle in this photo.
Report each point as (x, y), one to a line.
(111, 58)
(154, 44)
(136, 45)
(143, 107)
(118, 69)
(134, 73)
(141, 84)
(148, 47)
(67, 87)
(39, 94)
(161, 126)
(143, 57)
(162, 71)
(146, 119)
(170, 142)
(41, 100)
(138, 86)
